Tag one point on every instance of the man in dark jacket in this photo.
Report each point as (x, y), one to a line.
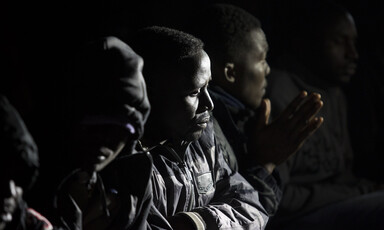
(193, 186)
(321, 189)
(238, 47)
(107, 108)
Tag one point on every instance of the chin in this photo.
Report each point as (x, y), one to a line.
(255, 104)
(193, 136)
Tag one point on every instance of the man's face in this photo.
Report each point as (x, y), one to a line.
(251, 70)
(339, 54)
(182, 102)
(100, 144)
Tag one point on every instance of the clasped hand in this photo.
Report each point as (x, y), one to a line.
(270, 144)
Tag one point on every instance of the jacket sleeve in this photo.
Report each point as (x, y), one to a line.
(235, 204)
(156, 220)
(267, 185)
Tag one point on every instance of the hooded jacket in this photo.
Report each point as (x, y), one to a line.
(106, 88)
(20, 162)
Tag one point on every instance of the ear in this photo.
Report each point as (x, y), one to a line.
(229, 72)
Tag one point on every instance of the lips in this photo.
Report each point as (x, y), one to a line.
(350, 68)
(265, 84)
(202, 121)
(264, 88)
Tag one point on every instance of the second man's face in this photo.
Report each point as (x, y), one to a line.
(185, 101)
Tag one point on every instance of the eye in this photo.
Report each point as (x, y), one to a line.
(338, 40)
(195, 93)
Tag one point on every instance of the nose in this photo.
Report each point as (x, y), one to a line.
(206, 103)
(267, 69)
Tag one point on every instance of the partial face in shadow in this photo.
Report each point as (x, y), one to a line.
(251, 70)
(181, 103)
(99, 144)
(339, 54)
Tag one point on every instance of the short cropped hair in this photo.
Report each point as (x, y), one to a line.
(164, 48)
(223, 28)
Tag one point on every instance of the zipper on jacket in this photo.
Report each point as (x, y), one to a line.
(188, 174)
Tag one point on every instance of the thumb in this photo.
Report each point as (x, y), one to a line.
(267, 113)
(263, 114)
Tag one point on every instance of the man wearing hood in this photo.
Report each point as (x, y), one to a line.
(107, 107)
(19, 168)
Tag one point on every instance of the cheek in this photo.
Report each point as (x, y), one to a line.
(179, 113)
(257, 78)
(334, 55)
(190, 105)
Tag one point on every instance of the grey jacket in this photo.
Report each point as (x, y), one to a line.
(202, 186)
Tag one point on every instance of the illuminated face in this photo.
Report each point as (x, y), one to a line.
(339, 54)
(181, 104)
(251, 70)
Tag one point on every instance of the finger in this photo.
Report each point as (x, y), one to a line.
(311, 100)
(12, 188)
(263, 114)
(292, 107)
(19, 191)
(267, 113)
(315, 110)
(313, 125)
(306, 112)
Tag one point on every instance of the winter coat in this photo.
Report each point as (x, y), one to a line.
(201, 185)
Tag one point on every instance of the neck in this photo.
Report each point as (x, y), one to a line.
(179, 146)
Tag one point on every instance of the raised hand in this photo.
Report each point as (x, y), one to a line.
(271, 144)
(11, 202)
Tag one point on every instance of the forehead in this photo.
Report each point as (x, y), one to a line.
(257, 46)
(343, 26)
(194, 72)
